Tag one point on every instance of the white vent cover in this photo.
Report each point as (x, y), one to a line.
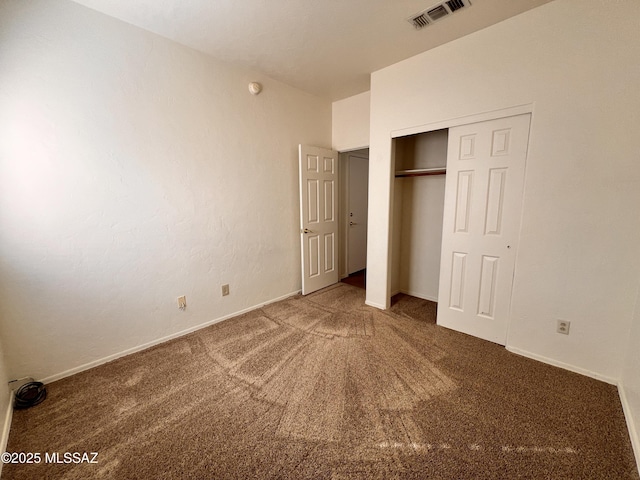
(436, 12)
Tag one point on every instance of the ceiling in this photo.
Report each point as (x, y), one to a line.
(325, 47)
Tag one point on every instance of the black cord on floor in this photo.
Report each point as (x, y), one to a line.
(30, 394)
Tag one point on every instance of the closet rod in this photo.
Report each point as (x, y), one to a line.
(419, 172)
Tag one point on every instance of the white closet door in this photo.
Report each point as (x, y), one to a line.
(483, 199)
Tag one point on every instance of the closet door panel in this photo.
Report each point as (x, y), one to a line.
(483, 199)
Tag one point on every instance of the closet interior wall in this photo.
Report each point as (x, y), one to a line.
(417, 215)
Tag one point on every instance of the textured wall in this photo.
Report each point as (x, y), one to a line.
(579, 250)
(135, 170)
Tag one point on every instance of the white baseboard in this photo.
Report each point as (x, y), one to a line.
(631, 426)
(419, 295)
(406, 292)
(8, 416)
(566, 366)
(375, 305)
(144, 346)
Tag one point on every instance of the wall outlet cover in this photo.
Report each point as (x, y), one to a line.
(182, 302)
(563, 327)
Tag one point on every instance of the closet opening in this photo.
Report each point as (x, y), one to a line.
(418, 208)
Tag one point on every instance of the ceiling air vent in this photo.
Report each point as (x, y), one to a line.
(455, 5)
(419, 21)
(436, 12)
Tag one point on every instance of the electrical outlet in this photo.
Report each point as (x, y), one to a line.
(563, 327)
(182, 302)
(225, 290)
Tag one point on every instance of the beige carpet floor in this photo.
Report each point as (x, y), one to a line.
(323, 386)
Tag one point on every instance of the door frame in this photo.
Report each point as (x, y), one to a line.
(449, 123)
(344, 204)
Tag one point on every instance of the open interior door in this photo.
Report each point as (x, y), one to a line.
(318, 217)
(483, 199)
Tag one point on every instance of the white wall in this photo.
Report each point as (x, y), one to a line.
(350, 133)
(579, 250)
(630, 380)
(350, 122)
(135, 170)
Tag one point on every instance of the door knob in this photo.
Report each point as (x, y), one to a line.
(352, 223)
(306, 230)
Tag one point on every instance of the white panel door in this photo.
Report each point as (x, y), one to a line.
(483, 199)
(358, 198)
(318, 217)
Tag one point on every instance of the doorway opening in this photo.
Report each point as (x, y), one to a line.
(354, 183)
(333, 191)
(357, 279)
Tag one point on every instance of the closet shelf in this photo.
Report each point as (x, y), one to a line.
(419, 172)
